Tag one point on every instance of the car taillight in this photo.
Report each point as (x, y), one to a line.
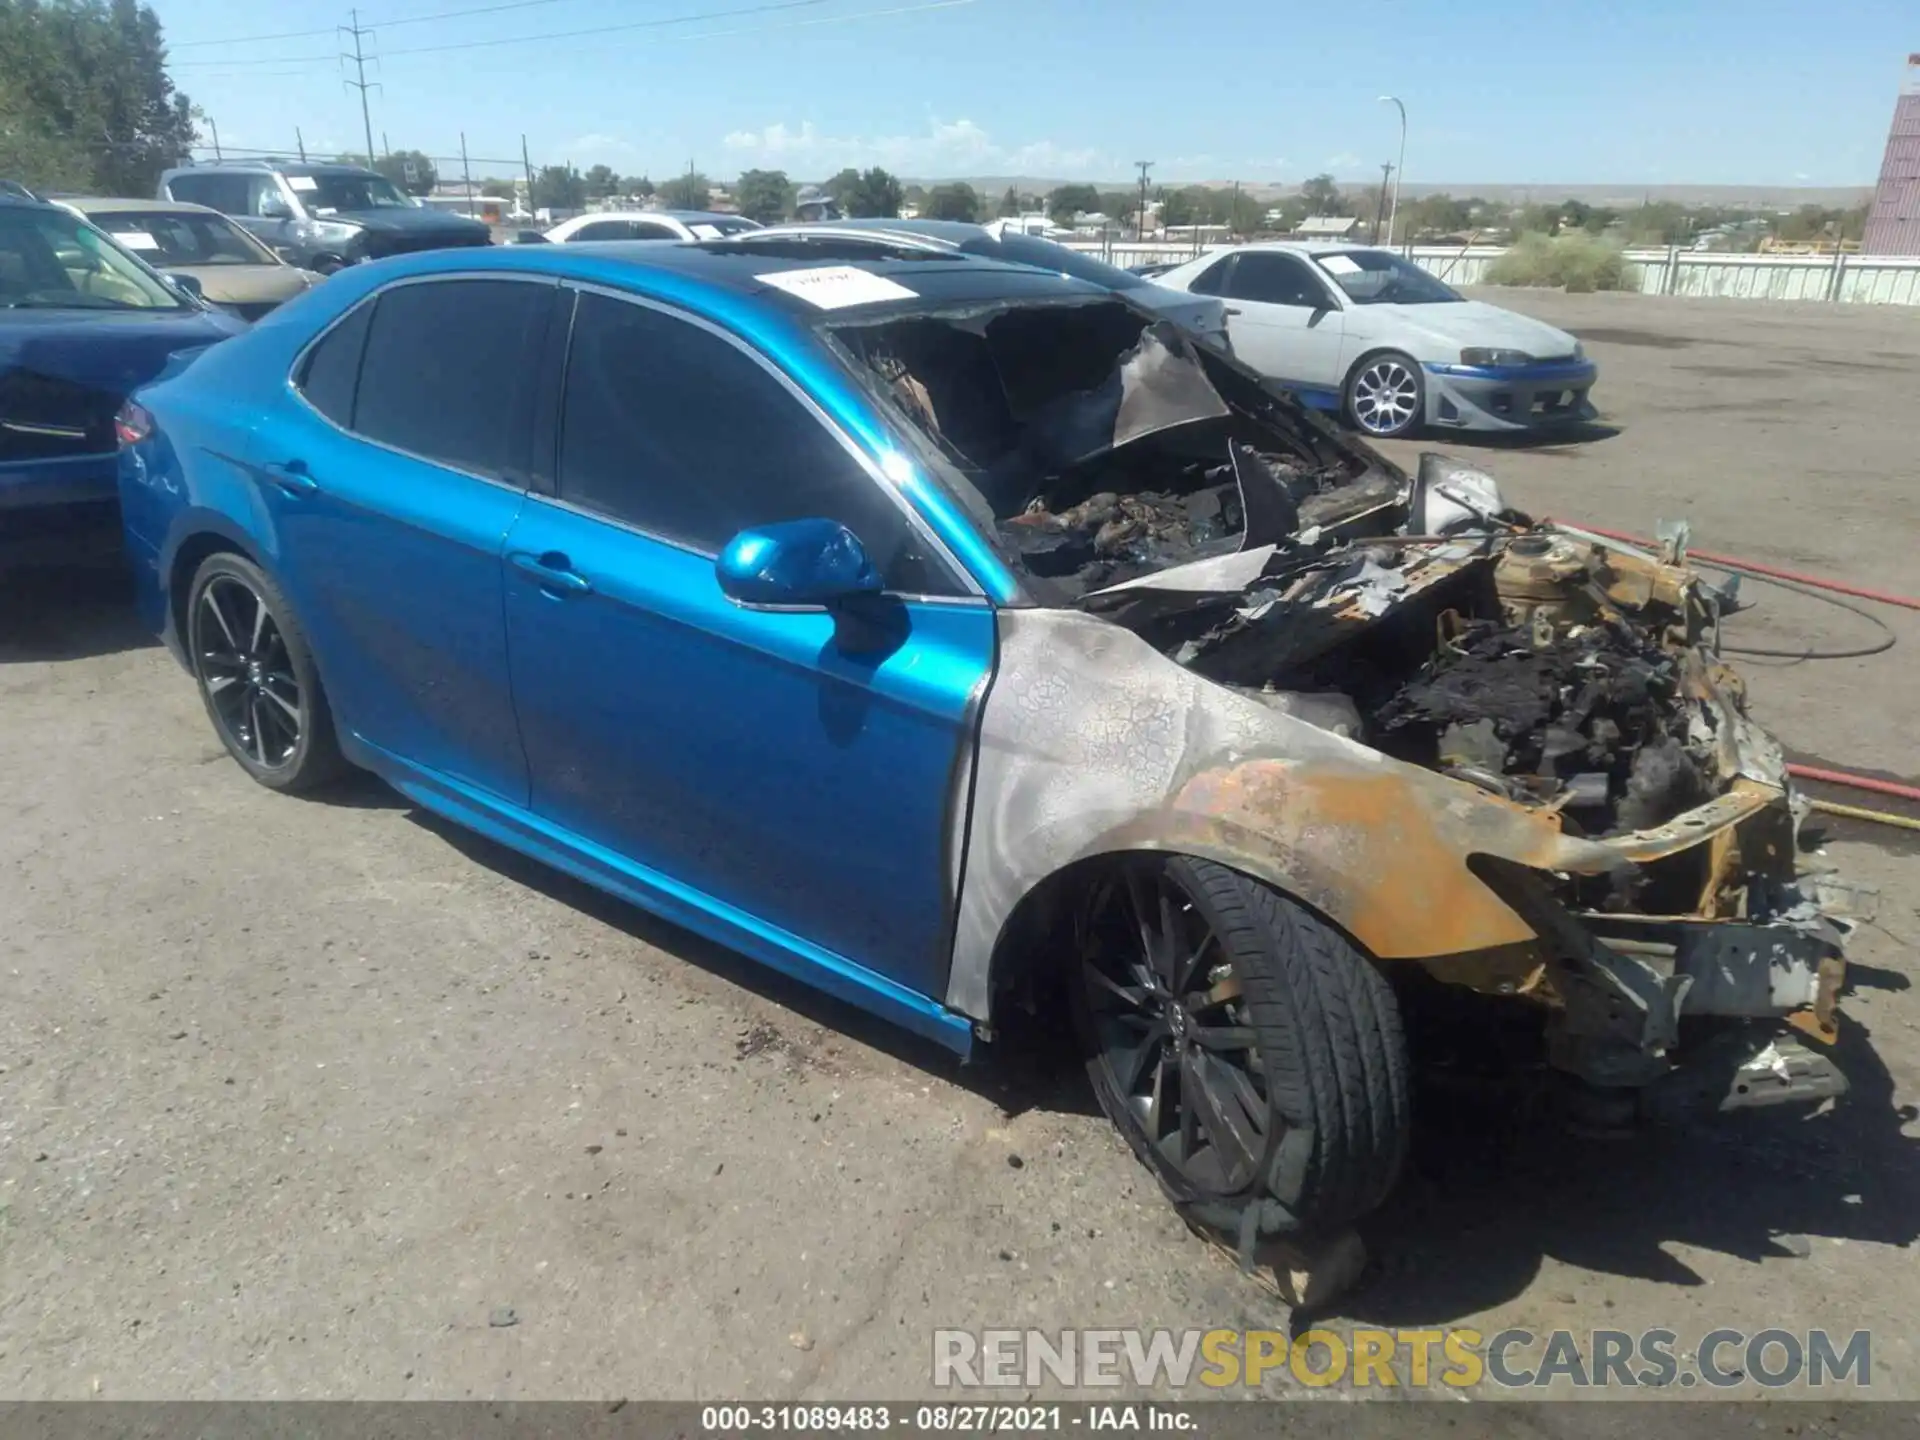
(132, 425)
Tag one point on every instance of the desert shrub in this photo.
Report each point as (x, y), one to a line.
(1573, 261)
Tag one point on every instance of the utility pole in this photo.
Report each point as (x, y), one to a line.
(527, 165)
(214, 126)
(301, 141)
(1386, 174)
(1140, 220)
(385, 148)
(1233, 213)
(1393, 210)
(466, 173)
(360, 81)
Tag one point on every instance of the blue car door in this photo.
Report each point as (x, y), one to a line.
(783, 769)
(390, 493)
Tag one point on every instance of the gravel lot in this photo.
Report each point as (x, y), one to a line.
(326, 1099)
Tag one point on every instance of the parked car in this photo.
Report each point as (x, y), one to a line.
(81, 323)
(1373, 336)
(229, 267)
(1203, 315)
(321, 217)
(649, 225)
(949, 635)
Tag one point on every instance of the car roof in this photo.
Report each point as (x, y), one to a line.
(949, 233)
(1309, 247)
(715, 275)
(112, 204)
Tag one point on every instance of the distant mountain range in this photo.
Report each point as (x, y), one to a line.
(1616, 195)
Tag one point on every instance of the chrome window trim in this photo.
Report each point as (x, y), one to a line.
(867, 463)
(372, 297)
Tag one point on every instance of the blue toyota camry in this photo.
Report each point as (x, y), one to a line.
(950, 635)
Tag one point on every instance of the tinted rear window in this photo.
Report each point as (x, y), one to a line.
(332, 368)
(447, 372)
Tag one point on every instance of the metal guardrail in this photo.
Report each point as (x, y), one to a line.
(1842, 278)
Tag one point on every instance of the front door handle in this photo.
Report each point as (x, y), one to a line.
(553, 571)
(292, 477)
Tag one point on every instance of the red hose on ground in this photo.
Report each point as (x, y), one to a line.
(1907, 602)
(1857, 782)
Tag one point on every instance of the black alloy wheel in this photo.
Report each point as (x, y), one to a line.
(1172, 1032)
(257, 678)
(1245, 1048)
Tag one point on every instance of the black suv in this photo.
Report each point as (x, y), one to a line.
(321, 217)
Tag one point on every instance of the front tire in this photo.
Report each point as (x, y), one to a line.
(1386, 396)
(1244, 1047)
(257, 678)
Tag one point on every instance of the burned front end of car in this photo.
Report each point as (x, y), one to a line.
(1505, 752)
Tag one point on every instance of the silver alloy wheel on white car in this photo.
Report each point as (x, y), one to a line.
(1384, 397)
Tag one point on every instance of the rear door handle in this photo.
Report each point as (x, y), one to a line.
(553, 571)
(292, 477)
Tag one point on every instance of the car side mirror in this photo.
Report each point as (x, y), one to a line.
(189, 283)
(810, 563)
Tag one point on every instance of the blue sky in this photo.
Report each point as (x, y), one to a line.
(1628, 92)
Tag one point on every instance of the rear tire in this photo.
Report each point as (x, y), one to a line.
(257, 678)
(1284, 1073)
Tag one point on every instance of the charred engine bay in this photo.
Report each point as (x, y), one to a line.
(1458, 657)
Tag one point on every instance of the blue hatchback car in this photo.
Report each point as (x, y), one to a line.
(948, 635)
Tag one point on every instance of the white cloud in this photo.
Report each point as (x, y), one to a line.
(1342, 161)
(596, 143)
(956, 147)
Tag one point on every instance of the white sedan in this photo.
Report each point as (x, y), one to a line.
(1378, 339)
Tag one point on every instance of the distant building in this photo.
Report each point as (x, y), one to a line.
(493, 209)
(1326, 227)
(1893, 220)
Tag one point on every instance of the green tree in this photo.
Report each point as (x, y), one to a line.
(558, 187)
(1009, 203)
(1071, 200)
(1119, 205)
(641, 186)
(956, 201)
(869, 193)
(85, 96)
(686, 192)
(394, 167)
(1323, 197)
(1179, 207)
(601, 181)
(763, 195)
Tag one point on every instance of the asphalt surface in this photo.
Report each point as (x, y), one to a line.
(322, 1098)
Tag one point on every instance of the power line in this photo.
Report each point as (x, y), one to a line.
(256, 60)
(741, 12)
(248, 39)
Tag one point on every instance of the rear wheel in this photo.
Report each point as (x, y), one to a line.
(257, 677)
(1245, 1049)
(1386, 396)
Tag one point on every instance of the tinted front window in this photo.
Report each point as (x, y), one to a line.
(332, 369)
(671, 429)
(1272, 278)
(1045, 255)
(163, 239)
(1213, 279)
(51, 261)
(603, 230)
(331, 194)
(1375, 277)
(449, 369)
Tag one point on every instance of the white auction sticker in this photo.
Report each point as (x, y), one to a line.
(835, 287)
(1339, 264)
(303, 182)
(136, 239)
